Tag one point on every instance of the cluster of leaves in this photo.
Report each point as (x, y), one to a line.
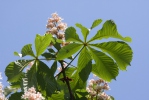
(108, 57)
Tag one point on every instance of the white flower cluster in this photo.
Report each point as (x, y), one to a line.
(31, 94)
(2, 96)
(96, 89)
(56, 27)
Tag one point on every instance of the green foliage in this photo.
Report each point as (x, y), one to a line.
(16, 96)
(104, 59)
(83, 70)
(14, 70)
(109, 30)
(68, 50)
(96, 23)
(119, 50)
(104, 66)
(81, 94)
(41, 43)
(84, 31)
(27, 50)
(71, 35)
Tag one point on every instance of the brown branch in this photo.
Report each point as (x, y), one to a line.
(66, 79)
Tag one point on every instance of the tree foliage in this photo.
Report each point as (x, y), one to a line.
(104, 59)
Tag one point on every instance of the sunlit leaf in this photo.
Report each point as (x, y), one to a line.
(120, 51)
(83, 70)
(14, 70)
(84, 30)
(57, 96)
(42, 42)
(96, 23)
(27, 50)
(71, 35)
(17, 54)
(104, 66)
(68, 50)
(109, 30)
(80, 94)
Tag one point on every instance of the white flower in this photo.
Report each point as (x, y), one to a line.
(32, 95)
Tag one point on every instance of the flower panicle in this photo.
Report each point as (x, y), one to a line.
(56, 27)
(2, 96)
(31, 94)
(96, 88)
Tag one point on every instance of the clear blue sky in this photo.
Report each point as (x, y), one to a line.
(21, 20)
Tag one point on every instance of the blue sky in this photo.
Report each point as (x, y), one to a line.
(21, 20)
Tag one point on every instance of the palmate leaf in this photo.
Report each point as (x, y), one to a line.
(83, 70)
(71, 35)
(96, 23)
(42, 42)
(109, 30)
(84, 30)
(14, 70)
(120, 51)
(68, 50)
(104, 66)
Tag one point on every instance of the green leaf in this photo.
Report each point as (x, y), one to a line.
(68, 50)
(69, 72)
(112, 98)
(58, 96)
(32, 75)
(17, 54)
(120, 51)
(27, 50)
(14, 70)
(104, 66)
(83, 70)
(53, 68)
(16, 96)
(42, 42)
(45, 79)
(71, 35)
(109, 30)
(48, 56)
(81, 94)
(51, 50)
(84, 30)
(57, 46)
(59, 40)
(96, 23)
